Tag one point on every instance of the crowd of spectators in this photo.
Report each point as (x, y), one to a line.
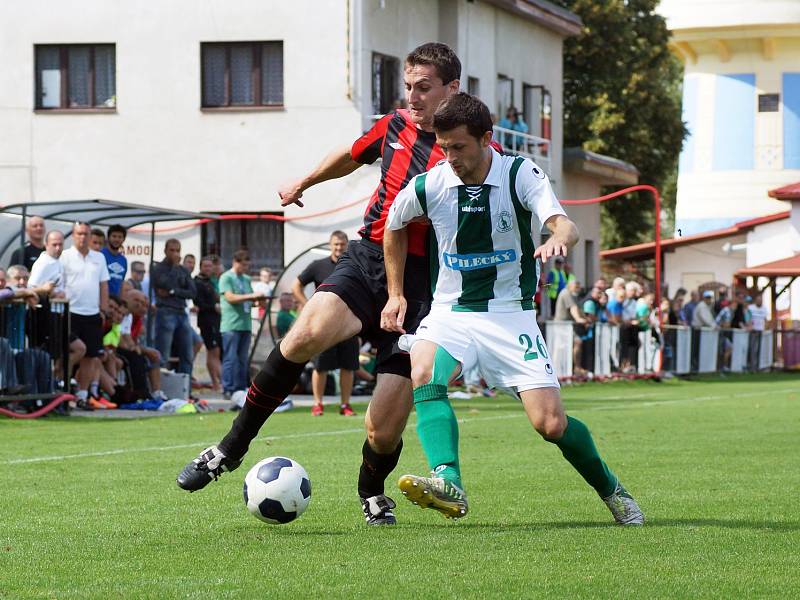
(113, 306)
(630, 305)
(110, 315)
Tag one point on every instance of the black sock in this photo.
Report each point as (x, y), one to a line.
(375, 468)
(274, 382)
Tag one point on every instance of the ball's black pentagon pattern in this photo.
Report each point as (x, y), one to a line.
(305, 488)
(272, 509)
(244, 492)
(271, 470)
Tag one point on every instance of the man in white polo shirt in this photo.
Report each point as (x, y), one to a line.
(86, 284)
(47, 274)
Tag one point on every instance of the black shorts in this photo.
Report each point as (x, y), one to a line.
(359, 279)
(343, 355)
(89, 330)
(209, 331)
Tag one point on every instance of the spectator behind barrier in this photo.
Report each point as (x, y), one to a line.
(265, 285)
(189, 262)
(722, 299)
(86, 285)
(758, 314)
(208, 320)
(27, 255)
(556, 281)
(47, 274)
(703, 314)
(15, 315)
(137, 276)
(115, 260)
(8, 293)
(130, 330)
(98, 240)
(687, 315)
(236, 300)
(514, 121)
(173, 287)
(567, 309)
(342, 356)
(629, 328)
(286, 315)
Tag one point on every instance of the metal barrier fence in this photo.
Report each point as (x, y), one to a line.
(42, 332)
(604, 349)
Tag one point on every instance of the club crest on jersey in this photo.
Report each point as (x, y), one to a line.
(470, 262)
(504, 222)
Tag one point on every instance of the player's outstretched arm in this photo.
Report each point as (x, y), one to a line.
(395, 248)
(564, 235)
(338, 163)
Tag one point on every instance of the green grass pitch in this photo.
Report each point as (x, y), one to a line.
(90, 508)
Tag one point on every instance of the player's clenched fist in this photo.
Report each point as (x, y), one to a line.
(393, 314)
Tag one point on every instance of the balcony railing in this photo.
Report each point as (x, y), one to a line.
(524, 144)
(515, 142)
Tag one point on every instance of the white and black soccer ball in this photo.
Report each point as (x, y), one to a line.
(277, 490)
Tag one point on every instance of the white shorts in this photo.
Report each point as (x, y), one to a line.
(508, 348)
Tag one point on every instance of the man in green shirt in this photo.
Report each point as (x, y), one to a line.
(286, 315)
(236, 298)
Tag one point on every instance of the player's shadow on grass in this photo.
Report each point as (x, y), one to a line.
(755, 525)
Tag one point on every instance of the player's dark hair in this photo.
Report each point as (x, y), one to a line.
(97, 232)
(241, 256)
(118, 229)
(463, 109)
(441, 56)
(171, 242)
(339, 235)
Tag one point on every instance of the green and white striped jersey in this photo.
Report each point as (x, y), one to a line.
(481, 239)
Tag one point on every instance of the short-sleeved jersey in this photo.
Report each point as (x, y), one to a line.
(317, 271)
(406, 151)
(483, 233)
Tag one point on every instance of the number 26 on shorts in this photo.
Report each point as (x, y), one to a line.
(530, 354)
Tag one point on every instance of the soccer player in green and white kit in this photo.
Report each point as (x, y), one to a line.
(481, 205)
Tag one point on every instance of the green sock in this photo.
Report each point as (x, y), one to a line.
(437, 429)
(437, 426)
(578, 448)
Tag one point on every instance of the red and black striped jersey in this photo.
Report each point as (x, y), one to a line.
(407, 151)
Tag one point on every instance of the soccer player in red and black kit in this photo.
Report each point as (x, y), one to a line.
(350, 301)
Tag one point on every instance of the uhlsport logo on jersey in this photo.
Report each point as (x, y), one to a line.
(470, 262)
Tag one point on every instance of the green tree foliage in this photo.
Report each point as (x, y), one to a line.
(622, 97)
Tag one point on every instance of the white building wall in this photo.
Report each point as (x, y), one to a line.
(732, 37)
(692, 265)
(159, 148)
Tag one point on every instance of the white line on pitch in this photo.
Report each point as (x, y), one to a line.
(18, 461)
